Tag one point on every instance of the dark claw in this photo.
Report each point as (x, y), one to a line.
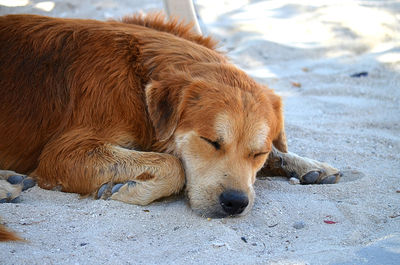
(310, 178)
(330, 179)
(16, 200)
(293, 175)
(116, 188)
(131, 183)
(28, 183)
(16, 179)
(8, 199)
(101, 190)
(4, 200)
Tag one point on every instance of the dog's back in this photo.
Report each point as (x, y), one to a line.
(42, 59)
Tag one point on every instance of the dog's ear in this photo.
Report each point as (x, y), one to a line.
(279, 135)
(164, 104)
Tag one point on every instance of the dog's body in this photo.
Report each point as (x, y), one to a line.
(128, 109)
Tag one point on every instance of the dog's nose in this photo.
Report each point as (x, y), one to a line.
(233, 201)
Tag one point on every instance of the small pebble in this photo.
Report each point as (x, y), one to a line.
(329, 222)
(360, 74)
(218, 244)
(296, 84)
(294, 181)
(299, 225)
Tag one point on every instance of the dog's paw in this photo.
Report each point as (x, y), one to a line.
(9, 192)
(12, 184)
(24, 181)
(130, 192)
(310, 171)
(307, 170)
(108, 189)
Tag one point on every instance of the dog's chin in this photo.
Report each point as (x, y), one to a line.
(211, 213)
(216, 212)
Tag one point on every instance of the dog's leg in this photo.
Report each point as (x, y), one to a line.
(308, 171)
(11, 185)
(148, 177)
(82, 163)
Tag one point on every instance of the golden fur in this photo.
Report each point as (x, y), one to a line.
(86, 103)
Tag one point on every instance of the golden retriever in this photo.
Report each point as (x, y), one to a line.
(134, 110)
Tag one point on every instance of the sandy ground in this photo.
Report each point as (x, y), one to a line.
(307, 51)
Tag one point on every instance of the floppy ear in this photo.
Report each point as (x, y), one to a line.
(164, 104)
(279, 139)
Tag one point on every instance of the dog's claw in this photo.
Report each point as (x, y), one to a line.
(108, 189)
(8, 199)
(16, 179)
(16, 200)
(116, 188)
(119, 185)
(318, 177)
(103, 188)
(131, 183)
(332, 179)
(28, 183)
(310, 178)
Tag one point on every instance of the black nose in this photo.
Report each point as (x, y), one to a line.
(233, 201)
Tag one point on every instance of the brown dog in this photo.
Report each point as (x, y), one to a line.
(130, 110)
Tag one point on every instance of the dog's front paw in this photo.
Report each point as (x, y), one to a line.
(307, 170)
(310, 171)
(130, 192)
(108, 189)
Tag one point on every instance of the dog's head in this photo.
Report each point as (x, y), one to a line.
(222, 125)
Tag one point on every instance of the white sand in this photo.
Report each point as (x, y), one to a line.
(352, 123)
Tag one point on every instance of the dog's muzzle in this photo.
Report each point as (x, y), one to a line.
(233, 202)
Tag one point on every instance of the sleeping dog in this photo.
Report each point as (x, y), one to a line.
(136, 110)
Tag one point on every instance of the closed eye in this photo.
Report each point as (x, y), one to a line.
(216, 144)
(259, 154)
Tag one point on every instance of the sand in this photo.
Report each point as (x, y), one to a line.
(307, 51)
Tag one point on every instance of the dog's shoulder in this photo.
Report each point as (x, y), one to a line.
(157, 21)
